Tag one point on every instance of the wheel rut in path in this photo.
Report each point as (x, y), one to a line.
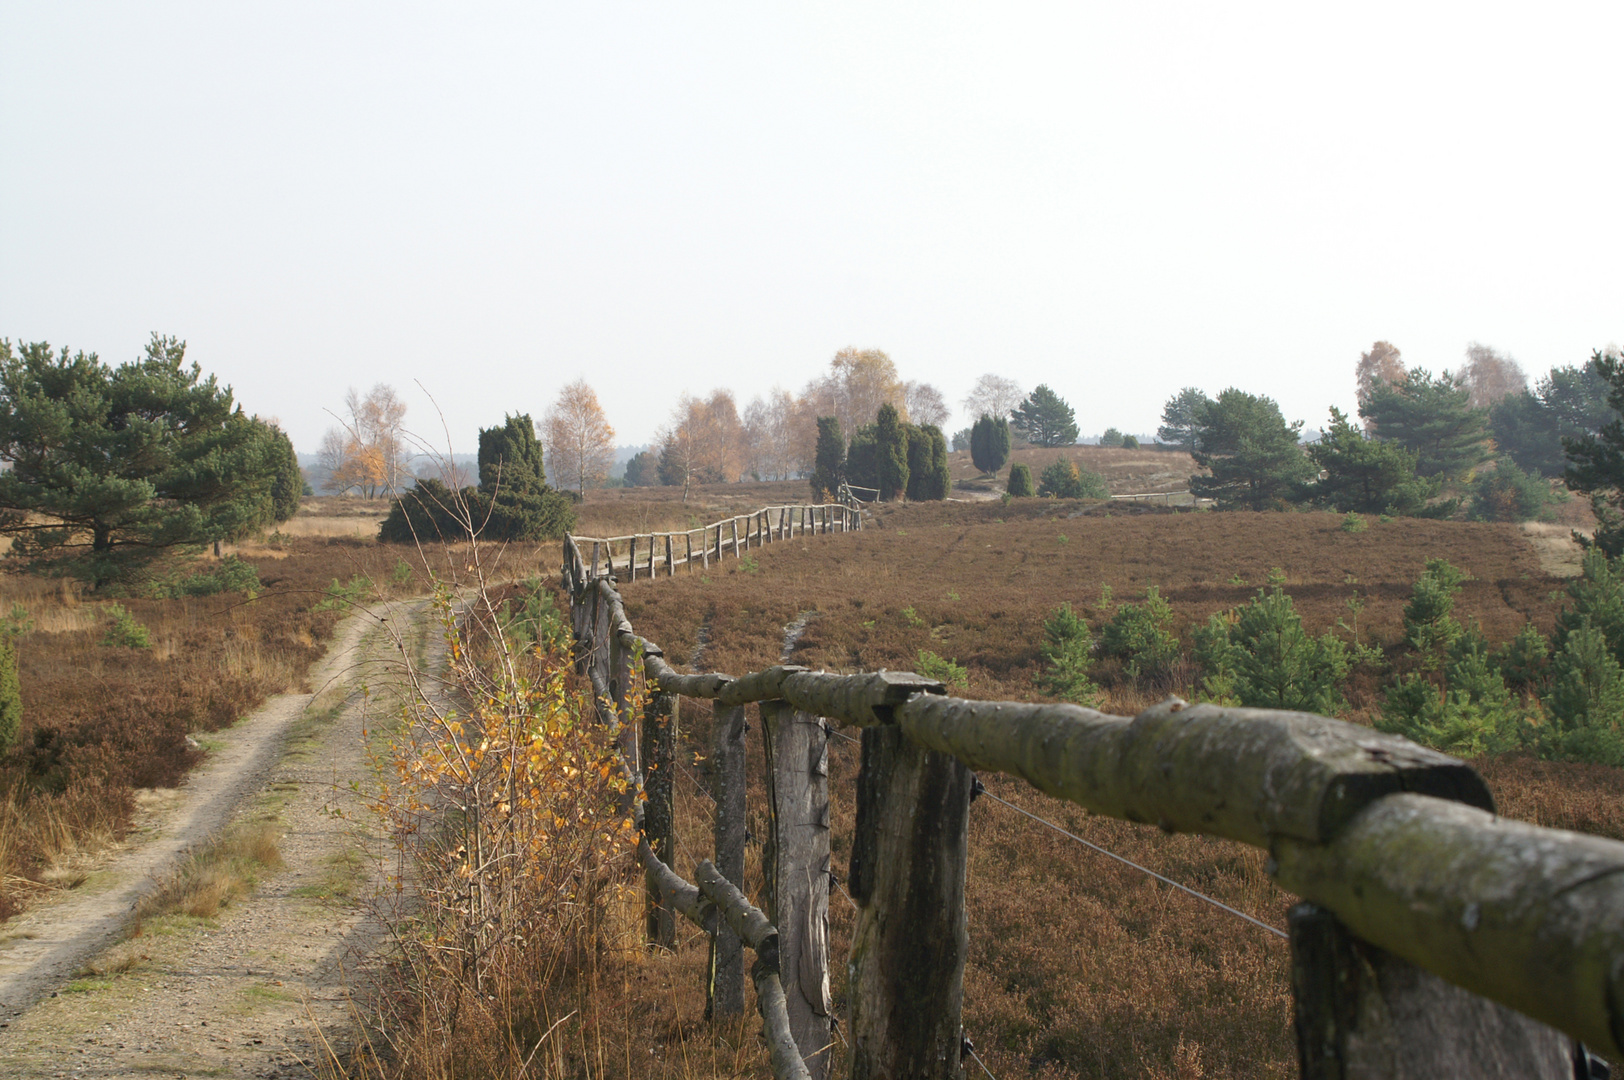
(246, 993)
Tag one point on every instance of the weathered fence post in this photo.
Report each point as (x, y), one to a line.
(907, 879)
(797, 870)
(659, 825)
(734, 523)
(620, 681)
(726, 991)
(651, 557)
(631, 559)
(1362, 1013)
(688, 542)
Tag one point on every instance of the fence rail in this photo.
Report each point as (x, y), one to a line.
(652, 553)
(1411, 882)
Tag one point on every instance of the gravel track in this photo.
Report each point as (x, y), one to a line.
(250, 992)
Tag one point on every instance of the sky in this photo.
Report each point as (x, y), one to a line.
(479, 203)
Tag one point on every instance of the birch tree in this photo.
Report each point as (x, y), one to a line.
(580, 444)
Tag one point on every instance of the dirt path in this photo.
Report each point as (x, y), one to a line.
(242, 994)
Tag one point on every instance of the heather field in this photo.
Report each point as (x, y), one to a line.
(973, 583)
(117, 688)
(1079, 966)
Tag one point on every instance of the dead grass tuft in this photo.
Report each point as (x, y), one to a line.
(215, 876)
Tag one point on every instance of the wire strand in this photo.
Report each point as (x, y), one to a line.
(983, 1064)
(1259, 923)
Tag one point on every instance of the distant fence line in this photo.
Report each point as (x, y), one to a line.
(1411, 882)
(651, 553)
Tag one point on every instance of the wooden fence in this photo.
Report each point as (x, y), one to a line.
(1435, 939)
(649, 554)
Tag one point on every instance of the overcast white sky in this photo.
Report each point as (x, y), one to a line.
(1119, 200)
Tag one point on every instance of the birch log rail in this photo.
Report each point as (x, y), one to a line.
(1435, 937)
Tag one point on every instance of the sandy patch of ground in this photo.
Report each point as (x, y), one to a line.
(1559, 554)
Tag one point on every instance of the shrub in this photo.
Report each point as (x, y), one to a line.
(1068, 653)
(942, 670)
(1597, 598)
(231, 575)
(1510, 494)
(1585, 701)
(891, 453)
(1020, 481)
(863, 458)
(829, 457)
(1130, 442)
(1260, 656)
(1470, 715)
(1525, 659)
(534, 621)
(343, 595)
(11, 694)
(1428, 625)
(1139, 634)
(432, 513)
(989, 443)
(123, 632)
(1353, 523)
(1064, 480)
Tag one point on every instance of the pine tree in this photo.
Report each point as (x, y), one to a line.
(1181, 417)
(1045, 419)
(1020, 481)
(1367, 476)
(128, 461)
(1251, 452)
(1434, 418)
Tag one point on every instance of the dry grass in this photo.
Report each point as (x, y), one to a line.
(215, 876)
(1125, 471)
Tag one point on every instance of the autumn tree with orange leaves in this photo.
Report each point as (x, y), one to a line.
(369, 452)
(580, 442)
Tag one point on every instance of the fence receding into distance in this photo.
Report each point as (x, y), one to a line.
(1434, 938)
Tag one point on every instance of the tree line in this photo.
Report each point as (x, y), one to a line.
(1423, 445)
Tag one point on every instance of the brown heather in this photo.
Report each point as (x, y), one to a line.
(1078, 966)
(101, 721)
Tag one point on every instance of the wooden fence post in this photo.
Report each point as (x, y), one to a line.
(1363, 1013)
(688, 559)
(797, 870)
(594, 560)
(737, 554)
(659, 825)
(907, 879)
(631, 559)
(651, 557)
(620, 681)
(726, 996)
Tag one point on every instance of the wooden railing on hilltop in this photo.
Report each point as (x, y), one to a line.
(1435, 939)
(652, 552)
